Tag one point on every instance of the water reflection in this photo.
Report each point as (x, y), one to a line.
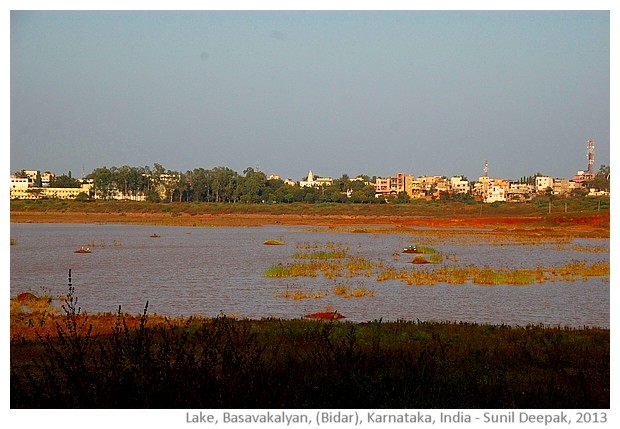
(188, 270)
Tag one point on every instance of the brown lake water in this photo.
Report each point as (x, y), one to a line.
(208, 271)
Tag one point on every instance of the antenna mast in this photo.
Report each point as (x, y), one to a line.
(590, 156)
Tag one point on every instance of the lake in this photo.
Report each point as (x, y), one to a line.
(208, 271)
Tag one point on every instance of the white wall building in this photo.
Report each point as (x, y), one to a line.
(495, 193)
(458, 185)
(543, 182)
(312, 182)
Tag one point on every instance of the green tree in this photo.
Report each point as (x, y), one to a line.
(82, 196)
(342, 184)
(103, 182)
(601, 181)
(222, 183)
(64, 181)
(251, 187)
(402, 198)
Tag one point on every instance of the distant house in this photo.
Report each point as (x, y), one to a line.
(495, 193)
(458, 185)
(491, 190)
(583, 176)
(564, 186)
(519, 192)
(543, 183)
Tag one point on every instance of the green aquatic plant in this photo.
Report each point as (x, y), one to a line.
(322, 254)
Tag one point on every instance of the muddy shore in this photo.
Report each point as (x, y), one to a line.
(583, 221)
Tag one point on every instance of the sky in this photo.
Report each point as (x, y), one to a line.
(377, 92)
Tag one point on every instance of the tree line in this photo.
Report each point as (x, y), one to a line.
(220, 185)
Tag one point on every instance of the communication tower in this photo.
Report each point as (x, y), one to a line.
(590, 156)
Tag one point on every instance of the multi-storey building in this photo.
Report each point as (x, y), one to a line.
(394, 185)
(543, 183)
(491, 190)
(564, 186)
(458, 185)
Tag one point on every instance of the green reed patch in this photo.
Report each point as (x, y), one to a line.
(322, 254)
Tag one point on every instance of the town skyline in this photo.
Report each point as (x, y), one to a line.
(223, 184)
(589, 164)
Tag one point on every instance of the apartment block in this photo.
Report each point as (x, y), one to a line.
(394, 185)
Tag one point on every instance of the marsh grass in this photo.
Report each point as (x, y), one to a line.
(273, 363)
(322, 254)
(333, 265)
(452, 274)
(347, 291)
(297, 293)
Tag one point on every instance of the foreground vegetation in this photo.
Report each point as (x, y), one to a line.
(270, 363)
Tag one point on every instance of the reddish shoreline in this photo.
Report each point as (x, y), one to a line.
(580, 222)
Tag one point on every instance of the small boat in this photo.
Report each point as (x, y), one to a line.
(82, 249)
(154, 236)
(411, 249)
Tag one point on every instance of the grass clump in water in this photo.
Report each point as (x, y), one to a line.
(359, 291)
(322, 254)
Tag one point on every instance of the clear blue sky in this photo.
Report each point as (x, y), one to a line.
(378, 92)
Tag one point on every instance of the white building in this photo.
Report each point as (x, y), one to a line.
(312, 182)
(543, 182)
(19, 183)
(458, 185)
(495, 193)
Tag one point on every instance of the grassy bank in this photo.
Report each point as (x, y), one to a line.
(227, 363)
